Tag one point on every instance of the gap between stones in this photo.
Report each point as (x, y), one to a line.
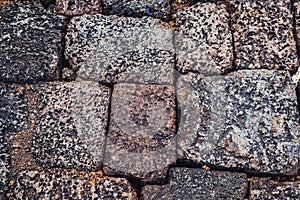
(136, 182)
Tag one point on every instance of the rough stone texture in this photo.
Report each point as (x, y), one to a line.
(70, 124)
(263, 35)
(247, 119)
(296, 7)
(112, 49)
(265, 188)
(189, 183)
(30, 43)
(78, 7)
(141, 137)
(62, 184)
(155, 8)
(13, 117)
(203, 39)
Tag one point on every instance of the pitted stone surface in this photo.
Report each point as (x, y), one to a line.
(13, 117)
(70, 124)
(141, 137)
(263, 35)
(62, 184)
(154, 8)
(192, 183)
(296, 6)
(248, 119)
(78, 7)
(113, 49)
(203, 39)
(265, 188)
(30, 43)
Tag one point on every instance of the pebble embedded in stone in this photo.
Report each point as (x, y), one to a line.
(31, 43)
(113, 49)
(69, 184)
(78, 7)
(203, 39)
(137, 8)
(141, 136)
(192, 183)
(266, 188)
(263, 35)
(69, 125)
(246, 119)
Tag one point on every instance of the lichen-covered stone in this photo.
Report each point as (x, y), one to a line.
(13, 117)
(141, 136)
(78, 7)
(30, 43)
(266, 188)
(203, 39)
(71, 184)
(154, 8)
(263, 34)
(69, 124)
(192, 183)
(113, 49)
(246, 119)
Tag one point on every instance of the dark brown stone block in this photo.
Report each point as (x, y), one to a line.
(141, 137)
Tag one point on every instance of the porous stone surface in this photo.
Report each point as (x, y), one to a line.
(71, 184)
(69, 124)
(266, 188)
(113, 49)
(154, 8)
(141, 136)
(78, 7)
(192, 183)
(30, 43)
(247, 119)
(203, 39)
(296, 8)
(263, 35)
(13, 117)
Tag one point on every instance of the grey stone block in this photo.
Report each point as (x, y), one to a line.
(113, 49)
(154, 8)
(247, 119)
(203, 39)
(266, 188)
(263, 35)
(69, 126)
(71, 184)
(30, 43)
(192, 183)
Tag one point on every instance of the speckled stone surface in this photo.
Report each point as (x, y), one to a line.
(13, 117)
(30, 43)
(78, 7)
(192, 183)
(248, 119)
(154, 8)
(113, 49)
(296, 8)
(141, 136)
(266, 188)
(62, 184)
(70, 122)
(203, 39)
(263, 34)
